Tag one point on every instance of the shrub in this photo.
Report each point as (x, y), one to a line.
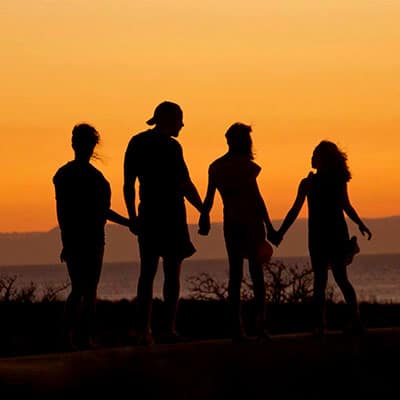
(10, 292)
(284, 284)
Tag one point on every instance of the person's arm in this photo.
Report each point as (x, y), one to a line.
(352, 214)
(204, 221)
(62, 218)
(60, 214)
(117, 218)
(130, 176)
(192, 195)
(264, 212)
(189, 189)
(294, 210)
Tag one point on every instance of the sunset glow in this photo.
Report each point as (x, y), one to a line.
(298, 72)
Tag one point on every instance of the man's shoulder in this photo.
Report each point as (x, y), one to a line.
(139, 138)
(175, 143)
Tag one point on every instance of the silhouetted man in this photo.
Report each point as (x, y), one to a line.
(156, 159)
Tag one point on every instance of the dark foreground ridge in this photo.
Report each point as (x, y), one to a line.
(289, 366)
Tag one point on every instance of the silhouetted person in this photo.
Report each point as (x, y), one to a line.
(234, 175)
(155, 158)
(328, 236)
(83, 206)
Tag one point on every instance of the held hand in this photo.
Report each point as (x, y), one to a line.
(63, 256)
(365, 231)
(274, 237)
(204, 224)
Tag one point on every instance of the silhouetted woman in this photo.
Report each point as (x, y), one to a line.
(328, 236)
(234, 175)
(83, 206)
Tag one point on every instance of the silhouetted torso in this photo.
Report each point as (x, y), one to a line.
(235, 179)
(83, 197)
(157, 160)
(328, 232)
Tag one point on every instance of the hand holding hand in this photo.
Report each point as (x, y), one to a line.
(63, 255)
(274, 237)
(365, 231)
(204, 224)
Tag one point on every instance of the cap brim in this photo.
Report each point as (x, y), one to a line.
(151, 121)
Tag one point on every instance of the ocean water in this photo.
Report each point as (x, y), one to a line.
(375, 277)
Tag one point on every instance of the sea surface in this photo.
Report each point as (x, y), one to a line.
(376, 278)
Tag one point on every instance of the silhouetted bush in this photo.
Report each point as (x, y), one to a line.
(9, 292)
(284, 284)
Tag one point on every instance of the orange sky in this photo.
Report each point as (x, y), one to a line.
(297, 73)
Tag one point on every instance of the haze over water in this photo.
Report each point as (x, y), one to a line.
(375, 277)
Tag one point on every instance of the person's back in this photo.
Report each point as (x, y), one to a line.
(83, 198)
(83, 195)
(326, 222)
(234, 176)
(329, 243)
(157, 160)
(235, 179)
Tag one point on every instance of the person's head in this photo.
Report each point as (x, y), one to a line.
(328, 159)
(84, 139)
(239, 140)
(168, 117)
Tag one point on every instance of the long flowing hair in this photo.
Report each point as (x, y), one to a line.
(332, 161)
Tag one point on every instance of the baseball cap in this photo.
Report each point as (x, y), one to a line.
(165, 110)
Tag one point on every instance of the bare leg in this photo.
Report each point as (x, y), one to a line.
(73, 304)
(320, 270)
(235, 281)
(171, 291)
(340, 274)
(257, 277)
(72, 319)
(148, 270)
(94, 266)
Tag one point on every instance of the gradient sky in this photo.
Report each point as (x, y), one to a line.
(297, 71)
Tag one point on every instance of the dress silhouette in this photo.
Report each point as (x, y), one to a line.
(234, 175)
(83, 198)
(328, 236)
(155, 158)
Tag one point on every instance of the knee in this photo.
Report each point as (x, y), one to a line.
(344, 283)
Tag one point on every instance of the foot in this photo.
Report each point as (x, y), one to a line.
(172, 337)
(145, 339)
(355, 328)
(71, 340)
(89, 344)
(318, 334)
(264, 337)
(240, 337)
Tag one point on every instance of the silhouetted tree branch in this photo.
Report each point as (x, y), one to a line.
(9, 292)
(284, 284)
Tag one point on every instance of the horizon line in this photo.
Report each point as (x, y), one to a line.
(55, 227)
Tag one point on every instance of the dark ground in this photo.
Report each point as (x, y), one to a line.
(37, 328)
(290, 366)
